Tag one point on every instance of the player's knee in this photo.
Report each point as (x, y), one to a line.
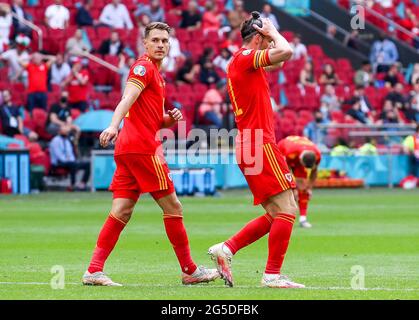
(172, 209)
(122, 212)
(289, 207)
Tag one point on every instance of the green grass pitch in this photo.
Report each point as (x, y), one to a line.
(376, 229)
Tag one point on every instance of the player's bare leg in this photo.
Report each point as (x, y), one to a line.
(282, 208)
(120, 215)
(173, 223)
(303, 197)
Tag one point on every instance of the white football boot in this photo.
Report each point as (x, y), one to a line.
(279, 281)
(222, 257)
(98, 279)
(201, 275)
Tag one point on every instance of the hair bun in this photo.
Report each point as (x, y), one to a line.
(255, 15)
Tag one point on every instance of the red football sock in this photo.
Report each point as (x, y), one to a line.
(251, 232)
(279, 237)
(303, 198)
(107, 239)
(176, 233)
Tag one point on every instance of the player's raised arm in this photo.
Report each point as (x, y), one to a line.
(281, 50)
(110, 134)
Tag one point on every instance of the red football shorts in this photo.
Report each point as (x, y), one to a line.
(268, 175)
(141, 173)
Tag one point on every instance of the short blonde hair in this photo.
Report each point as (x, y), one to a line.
(156, 25)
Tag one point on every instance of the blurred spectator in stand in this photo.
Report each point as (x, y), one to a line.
(357, 114)
(329, 76)
(115, 15)
(211, 19)
(300, 50)
(312, 130)
(267, 13)
(124, 68)
(239, 8)
(408, 113)
(223, 59)
(76, 44)
(413, 97)
(112, 46)
(6, 23)
(352, 40)
(19, 27)
(16, 57)
(77, 85)
(63, 156)
(212, 108)
(188, 72)
(415, 74)
(331, 31)
(207, 55)
(11, 119)
(364, 102)
(208, 74)
(307, 77)
(60, 70)
(329, 102)
(233, 42)
(396, 95)
(364, 76)
(175, 56)
(143, 21)
(191, 18)
(37, 80)
(83, 16)
(60, 116)
(411, 148)
(153, 10)
(57, 16)
(392, 76)
(383, 54)
(388, 115)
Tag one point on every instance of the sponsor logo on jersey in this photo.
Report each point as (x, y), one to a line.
(140, 70)
(170, 176)
(247, 52)
(288, 176)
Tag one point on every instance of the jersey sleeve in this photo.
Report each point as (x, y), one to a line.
(254, 59)
(140, 74)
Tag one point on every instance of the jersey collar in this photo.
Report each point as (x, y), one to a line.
(154, 61)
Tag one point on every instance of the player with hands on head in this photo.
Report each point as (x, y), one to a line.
(267, 174)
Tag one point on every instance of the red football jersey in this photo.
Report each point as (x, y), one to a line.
(250, 95)
(76, 91)
(145, 118)
(291, 147)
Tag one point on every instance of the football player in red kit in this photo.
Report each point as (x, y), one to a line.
(303, 158)
(268, 176)
(140, 163)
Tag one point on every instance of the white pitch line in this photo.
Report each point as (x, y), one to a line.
(211, 286)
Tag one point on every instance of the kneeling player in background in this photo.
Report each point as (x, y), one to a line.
(303, 158)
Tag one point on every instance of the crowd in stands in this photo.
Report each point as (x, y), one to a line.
(405, 13)
(46, 90)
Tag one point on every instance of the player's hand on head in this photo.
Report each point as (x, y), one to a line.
(268, 29)
(175, 114)
(108, 135)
